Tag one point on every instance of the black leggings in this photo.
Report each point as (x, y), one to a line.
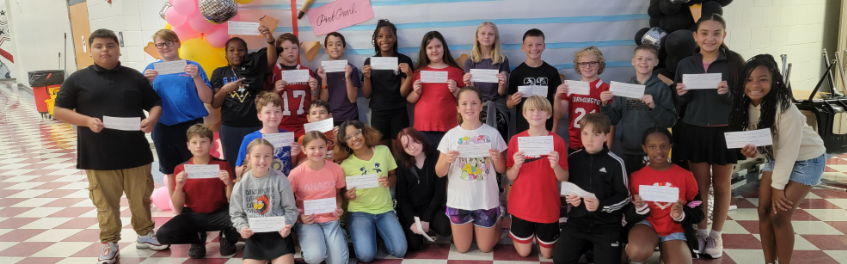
(440, 224)
(574, 243)
(190, 228)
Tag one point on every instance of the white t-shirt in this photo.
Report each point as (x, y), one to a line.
(472, 182)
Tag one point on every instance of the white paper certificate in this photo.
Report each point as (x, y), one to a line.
(170, 67)
(420, 228)
(568, 188)
(334, 65)
(266, 224)
(535, 146)
(627, 90)
(323, 126)
(280, 140)
(319, 206)
(578, 87)
(474, 150)
(701, 81)
(761, 137)
(433, 76)
(658, 193)
(243, 28)
(384, 63)
(527, 91)
(122, 123)
(362, 182)
(295, 76)
(202, 171)
(484, 76)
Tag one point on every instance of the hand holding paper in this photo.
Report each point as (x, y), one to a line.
(122, 123)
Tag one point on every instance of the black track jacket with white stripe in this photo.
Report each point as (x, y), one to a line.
(604, 175)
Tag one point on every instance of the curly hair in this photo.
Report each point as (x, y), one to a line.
(384, 23)
(341, 150)
(775, 102)
(588, 51)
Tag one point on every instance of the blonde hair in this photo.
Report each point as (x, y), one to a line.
(588, 51)
(537, 102)
(459, 94)
(250, 147)
(166, 35)
(496, 50)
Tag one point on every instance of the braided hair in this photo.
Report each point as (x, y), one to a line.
(776, 101)
(384, 23)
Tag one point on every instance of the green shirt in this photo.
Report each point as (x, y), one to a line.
(375, 200)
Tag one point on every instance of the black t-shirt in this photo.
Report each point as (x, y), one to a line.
(119, 92)
(386, 84)
(239, 108)
(526, 75)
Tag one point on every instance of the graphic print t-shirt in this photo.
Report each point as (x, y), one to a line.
(660, 212)
(267, 196)
(374, 200)
(472, 182)
(581, 105)
(524, 75)
(282, 156)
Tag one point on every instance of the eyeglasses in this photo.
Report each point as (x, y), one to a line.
(356, 133)
(588, 64)
(164, 44)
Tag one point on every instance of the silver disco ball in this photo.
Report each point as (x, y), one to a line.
(218, 11)
(655, 36)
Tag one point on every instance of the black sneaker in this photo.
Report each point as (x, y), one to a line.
(228, 240)
(197, 251)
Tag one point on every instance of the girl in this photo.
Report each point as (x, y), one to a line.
(706, 115)
(321, 236)
(420, 193)
(261, 192)
(472, 192)
(183, 96)
(370, 211)
(340, 89)
(488, 55)
(388, 88)
(668, 225)
(236, 87)
(430, 118)
(795, 162)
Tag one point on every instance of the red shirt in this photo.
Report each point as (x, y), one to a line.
(535, 194)
(296, 98)
(579, 106)
(436, 109)
(660, 212)
(205, 195)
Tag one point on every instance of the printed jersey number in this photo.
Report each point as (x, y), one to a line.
(296, 93)
(580, 113)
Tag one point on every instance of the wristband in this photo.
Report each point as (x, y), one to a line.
(323, 87)
(271, 42)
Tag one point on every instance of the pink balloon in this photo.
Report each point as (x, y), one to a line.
(161, 200)
(218, 36)
(198, 23)
(185, 7)
(174, 18)
(184, 32)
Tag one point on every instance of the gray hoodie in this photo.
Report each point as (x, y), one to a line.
(638, 117)
(262, 197)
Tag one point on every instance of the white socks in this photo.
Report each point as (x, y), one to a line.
(715, 234)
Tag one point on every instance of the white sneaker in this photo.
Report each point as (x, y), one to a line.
(701, 242)
(109, 254)
(714, 247)
(149, 241)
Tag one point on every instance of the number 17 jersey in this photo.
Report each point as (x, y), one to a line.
(581, 105)
(296, 98)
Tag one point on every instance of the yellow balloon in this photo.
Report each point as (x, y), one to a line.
(244, 1)
(167, 26)
(200, 51)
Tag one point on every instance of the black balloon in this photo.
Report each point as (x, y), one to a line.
(723, 2)
(669, 8)
(711, 7)
(680, 20)
(654, 11)
(662, 55)
(680, 43)
(694, 2)
(639, 35)
(671, 62)
(654, 21)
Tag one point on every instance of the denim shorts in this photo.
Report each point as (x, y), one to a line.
(481, 218)
(807, 172)
(672, 236)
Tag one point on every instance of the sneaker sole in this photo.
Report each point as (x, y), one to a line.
(110, 261)
(150, 246)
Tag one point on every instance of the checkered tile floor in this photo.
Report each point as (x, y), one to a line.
(46, 216)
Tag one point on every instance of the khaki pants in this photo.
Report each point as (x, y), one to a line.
(106, 188)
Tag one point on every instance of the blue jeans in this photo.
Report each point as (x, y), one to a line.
(323, 241)
(363, 230)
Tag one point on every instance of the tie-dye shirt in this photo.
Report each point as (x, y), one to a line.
(472, 182)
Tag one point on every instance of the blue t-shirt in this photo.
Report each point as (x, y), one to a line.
(180, 102)
(282, 156)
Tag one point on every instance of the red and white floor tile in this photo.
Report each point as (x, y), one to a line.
(46, 216)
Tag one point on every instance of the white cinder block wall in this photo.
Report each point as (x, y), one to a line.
(38, 31)
(136, 19)
(799, 28)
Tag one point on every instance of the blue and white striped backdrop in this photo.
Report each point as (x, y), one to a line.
(568, 25)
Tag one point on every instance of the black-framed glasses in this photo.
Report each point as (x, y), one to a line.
(588, 64)
(164, 44)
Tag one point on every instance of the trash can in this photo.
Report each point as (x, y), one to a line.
(42, 82)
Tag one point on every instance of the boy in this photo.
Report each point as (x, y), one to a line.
(116, 161)
(340, 89)
(534, 198)
(269, 106)
(201, 205)
(319, 110)
(595, 222)
(532, 72)
(296, 96)
(654, 109)
(589, 63)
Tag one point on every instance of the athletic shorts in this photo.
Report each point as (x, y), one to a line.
(523, 232)
(481, 218)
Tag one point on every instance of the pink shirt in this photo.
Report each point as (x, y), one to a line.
(309, 184)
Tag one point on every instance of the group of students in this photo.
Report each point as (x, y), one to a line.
(437, 189)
